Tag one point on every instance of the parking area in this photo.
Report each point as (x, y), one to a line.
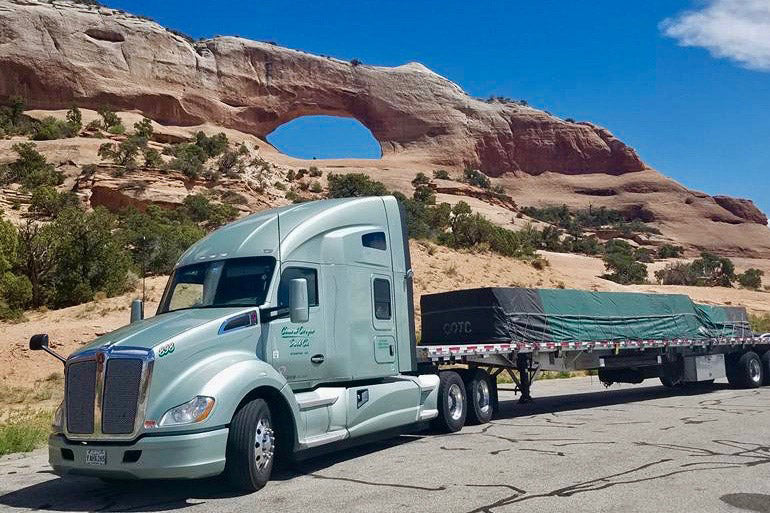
(578, 447)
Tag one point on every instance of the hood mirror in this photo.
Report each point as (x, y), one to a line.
(299, 309)
(137, 310)
(40, 342)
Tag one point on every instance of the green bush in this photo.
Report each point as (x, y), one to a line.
(441, 174)
(760, 323)
(420, 179)
(621, 265)
(751, 278)
(354, 185)
(152, 158)
(679, 273)
(51, 128)
(31, 169)
(314, 172)
(189, 159)
(88, 257)
(200, 210)
(143, 129)
(476, 178)
(227, 163)
(123, 153)
(110, 120)
(316, 187)
(75, 120)
(713, 270)
(49, 202)
(212, 146)
(670, 251)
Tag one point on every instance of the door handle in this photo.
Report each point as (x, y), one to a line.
(317, 358)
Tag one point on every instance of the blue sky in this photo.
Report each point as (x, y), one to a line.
(690, 96)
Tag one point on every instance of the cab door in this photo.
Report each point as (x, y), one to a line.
(298, 350)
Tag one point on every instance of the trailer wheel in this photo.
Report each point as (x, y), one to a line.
(765, 359)
(250, 447)
(452, 403)
(480, 396)
(745, 371)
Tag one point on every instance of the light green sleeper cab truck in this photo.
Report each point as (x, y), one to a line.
(292, 331)
(282, 332)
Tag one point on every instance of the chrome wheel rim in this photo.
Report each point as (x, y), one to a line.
(455, 401)
(483, 396)
(754, 370)
(264, 444)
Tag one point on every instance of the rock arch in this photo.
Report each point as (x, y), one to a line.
(55, 54)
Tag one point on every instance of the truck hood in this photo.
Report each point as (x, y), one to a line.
(152, 331)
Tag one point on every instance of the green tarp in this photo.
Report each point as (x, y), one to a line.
(554, 315)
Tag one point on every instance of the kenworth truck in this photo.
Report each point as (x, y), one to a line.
(292, 331)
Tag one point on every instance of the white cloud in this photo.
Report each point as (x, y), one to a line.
(733, 29)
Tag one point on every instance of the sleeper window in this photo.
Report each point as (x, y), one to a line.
(292, 273)
(382, 310)
(374, 240)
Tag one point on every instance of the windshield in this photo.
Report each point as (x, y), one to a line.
(219, 283)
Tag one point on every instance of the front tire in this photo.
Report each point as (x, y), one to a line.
(479, 391)
(452, 403)
(250, 447)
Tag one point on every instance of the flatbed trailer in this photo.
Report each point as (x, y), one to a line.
(615, 360)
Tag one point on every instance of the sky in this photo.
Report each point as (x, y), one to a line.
(684, 82)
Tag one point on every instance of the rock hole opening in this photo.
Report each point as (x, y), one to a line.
(325, 137)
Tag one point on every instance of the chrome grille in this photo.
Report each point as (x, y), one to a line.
(80, 394)
(121, 395)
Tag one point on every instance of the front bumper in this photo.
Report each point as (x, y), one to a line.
(186, 456)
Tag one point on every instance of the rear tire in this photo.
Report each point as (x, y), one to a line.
(250, 447)
(452, 403)
(480, 396)
(765, 359)
(745, 371)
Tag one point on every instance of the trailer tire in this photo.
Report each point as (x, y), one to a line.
(765, 358)
(480, 396)
(745, 370)
(452, 403)
(250, 447)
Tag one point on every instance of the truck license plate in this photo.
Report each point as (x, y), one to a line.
(96, 457)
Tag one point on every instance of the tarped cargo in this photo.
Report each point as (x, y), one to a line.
(555, 315)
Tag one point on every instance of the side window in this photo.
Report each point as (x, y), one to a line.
(292, 273)
(374, 240)
(382, 310)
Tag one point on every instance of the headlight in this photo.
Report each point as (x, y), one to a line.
(191, 412)
(57, 424)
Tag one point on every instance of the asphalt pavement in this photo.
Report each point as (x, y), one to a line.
(578, 447)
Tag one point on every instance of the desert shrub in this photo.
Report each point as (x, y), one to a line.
(314, 172)
(12, 118)
(123, 153)
(88, 257)
(94, 126)
(118, 129)
(292, 196)
(143, 128)
(49, 202)
(751, 278)
(316, 187)
(715, 271)
(51, 128)
(760, 323)
(233, 197)
(469, 230)
(212, 145)
(157, 238)
(476, 178)
(644, 255)
(355, 62)
(152, 158)
(441, 174)
(670, 251)
(280, 186)
(291, 175)
(31, 169)
(621, 265)
(75, 120)
(424, 194)
(420, 179)
(354, 185)
(110, 120)
(227, 163)
(199, 209)
(189, 159)
(679, 273)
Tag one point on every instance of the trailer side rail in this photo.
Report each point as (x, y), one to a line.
(449, 352)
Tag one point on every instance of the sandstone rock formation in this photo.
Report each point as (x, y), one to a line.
(56, 53)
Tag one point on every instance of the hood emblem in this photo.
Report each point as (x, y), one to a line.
(165, 349)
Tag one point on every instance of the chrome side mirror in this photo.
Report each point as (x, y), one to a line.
(299, 308)
(137, 310)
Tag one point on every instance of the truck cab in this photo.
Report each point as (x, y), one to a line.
(284, 331)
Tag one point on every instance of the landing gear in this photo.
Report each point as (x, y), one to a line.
(523, 362)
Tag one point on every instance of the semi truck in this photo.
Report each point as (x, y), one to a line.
(292, 331)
